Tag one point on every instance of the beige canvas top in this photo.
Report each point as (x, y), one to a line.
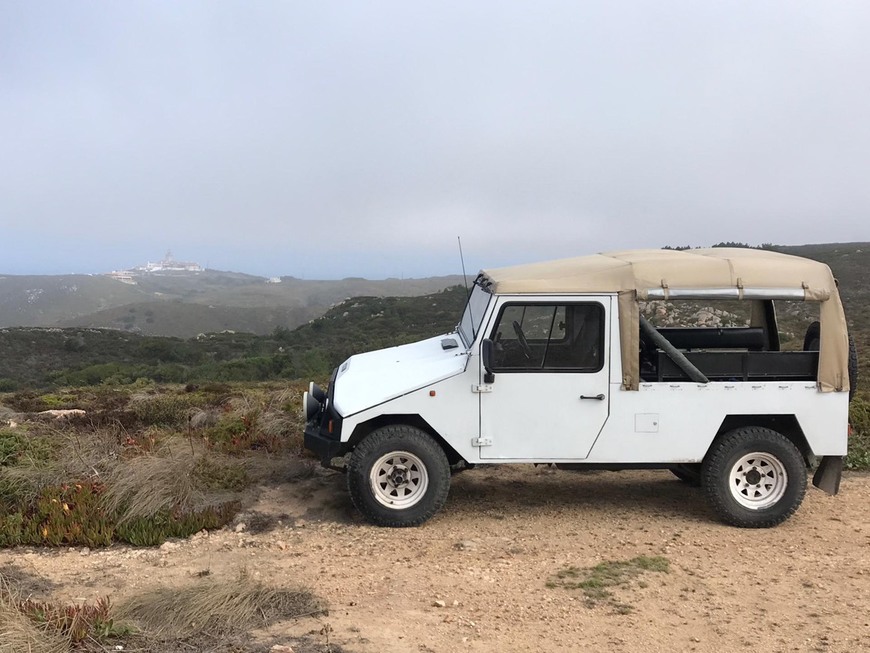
(633, 274)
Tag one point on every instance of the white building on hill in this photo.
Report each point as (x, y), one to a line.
(168, 264)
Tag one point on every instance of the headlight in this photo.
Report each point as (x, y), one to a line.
(310, 406)
(316, 391)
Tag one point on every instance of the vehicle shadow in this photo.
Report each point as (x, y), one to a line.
(576, 494)
(509, 491)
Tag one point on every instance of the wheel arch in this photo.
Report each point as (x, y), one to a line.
(364, 428)
(786, 424)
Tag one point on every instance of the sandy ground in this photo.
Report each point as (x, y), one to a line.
(803, 586)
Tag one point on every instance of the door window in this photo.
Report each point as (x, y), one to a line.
(547, 337)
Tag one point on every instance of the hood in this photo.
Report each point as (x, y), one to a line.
(369, 379)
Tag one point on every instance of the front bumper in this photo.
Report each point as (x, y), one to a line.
(322, 433)
(325, 448)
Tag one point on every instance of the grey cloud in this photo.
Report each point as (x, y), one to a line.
(326, 139)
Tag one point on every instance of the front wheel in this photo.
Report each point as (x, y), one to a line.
(754, 477)
(398, 476)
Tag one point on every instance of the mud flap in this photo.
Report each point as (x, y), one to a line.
(828, 474)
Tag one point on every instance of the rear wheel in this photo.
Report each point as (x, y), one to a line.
(398, 476)
(754, 477)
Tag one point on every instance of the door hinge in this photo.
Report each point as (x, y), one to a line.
(483, 387)
(481, 442)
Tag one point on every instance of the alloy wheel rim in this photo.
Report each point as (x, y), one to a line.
(399, 480)
(758, 480)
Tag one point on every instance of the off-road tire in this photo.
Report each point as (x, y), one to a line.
(811, 343)
(398, 451)
(812, 336)
(730, 483)
(688, 473)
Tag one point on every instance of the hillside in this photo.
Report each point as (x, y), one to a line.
(43, 300)
(186, 304)
(40, 357)
(185, 319)
(86, 355)
(850, 263)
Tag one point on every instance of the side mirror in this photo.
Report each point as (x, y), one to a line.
(487, 350)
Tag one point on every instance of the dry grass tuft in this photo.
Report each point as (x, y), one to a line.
(78, 457)
(276, 424)
(202, 418)
(218, 607)
(18, 633)
(153, 483)
(85, 455)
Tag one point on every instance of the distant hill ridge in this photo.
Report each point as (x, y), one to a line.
(186, 303)
(167, 302)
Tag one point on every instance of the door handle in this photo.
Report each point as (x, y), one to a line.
(599, 397)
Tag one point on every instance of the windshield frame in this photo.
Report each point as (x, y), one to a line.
(472, 316)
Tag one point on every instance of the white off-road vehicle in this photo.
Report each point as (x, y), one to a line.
(555, 363)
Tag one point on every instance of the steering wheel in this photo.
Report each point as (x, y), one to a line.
(522, 339)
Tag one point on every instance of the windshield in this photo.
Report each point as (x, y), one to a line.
(469, 325)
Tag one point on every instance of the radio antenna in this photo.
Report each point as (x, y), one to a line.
(462, 260)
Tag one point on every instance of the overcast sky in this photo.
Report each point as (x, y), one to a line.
(331, 139)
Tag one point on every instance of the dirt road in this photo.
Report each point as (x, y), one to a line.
(488, 556)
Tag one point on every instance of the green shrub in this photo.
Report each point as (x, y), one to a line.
(233, 434)
(11, 528)
(59, 401)
(17, 446)
(236, 433)
(25, 401)
(77, 623)
(69, 514)
(168, 410)
(104, 398)
(12, 444)
(859, 441)
(74, 515)
(215, 475)
(99, 374)
(8, 385)
(153, 530)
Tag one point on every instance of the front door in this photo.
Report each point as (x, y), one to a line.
(550, 395)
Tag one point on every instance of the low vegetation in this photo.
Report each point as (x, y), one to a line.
(198, 617)
(218, 607)
(598, 582)
(49, 627)
(859, 439)
(141, 465)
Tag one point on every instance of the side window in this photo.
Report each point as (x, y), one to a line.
(566, 337)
